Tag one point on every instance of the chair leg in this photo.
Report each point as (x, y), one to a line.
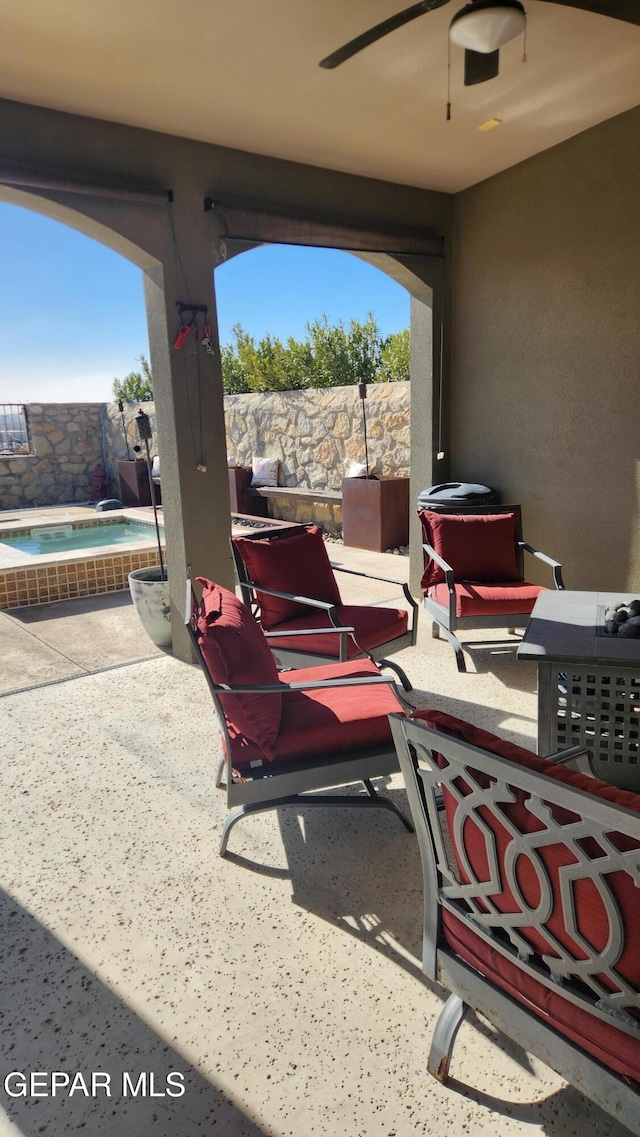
(219, 775)
(387, 803)
(436, 628)
(402, 676)
(444, 1036)
(457, 647)
(374, 801)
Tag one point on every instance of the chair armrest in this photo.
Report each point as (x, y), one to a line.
(576, 756)
(309, 632)
(343, 633)
(384, 579)
(444, 565)
(554, 565)
(322, 605)
(411, 601)
(303, 685)
(368, 575)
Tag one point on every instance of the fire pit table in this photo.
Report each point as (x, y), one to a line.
(588, 682)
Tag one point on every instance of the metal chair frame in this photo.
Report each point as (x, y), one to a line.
(273, 786)
(445, 617)
(595, 818)
(295, 657)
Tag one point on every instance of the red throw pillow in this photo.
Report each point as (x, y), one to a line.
(297, 564)
(236, 652)
(479, 547)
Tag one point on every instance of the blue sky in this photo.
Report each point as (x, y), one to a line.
(72, 312)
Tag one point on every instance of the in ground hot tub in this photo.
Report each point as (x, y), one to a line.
(58, 561)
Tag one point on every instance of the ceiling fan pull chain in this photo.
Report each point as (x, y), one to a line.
(524, 44)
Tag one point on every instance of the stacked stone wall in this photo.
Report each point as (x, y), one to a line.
(66, 445)
(315, 435)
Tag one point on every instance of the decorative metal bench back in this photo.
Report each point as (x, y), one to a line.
(468, 807)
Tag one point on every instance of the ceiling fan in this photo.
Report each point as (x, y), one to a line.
(481, 28)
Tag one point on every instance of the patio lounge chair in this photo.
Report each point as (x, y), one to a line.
(288, 581)
(474, 570)
(531, 903)
(284, 736)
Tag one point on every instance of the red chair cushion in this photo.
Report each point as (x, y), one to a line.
(297, 564)
(557, 860)
(616, 1050)
(326, 722)
(489, 599)
(479, 547)
(373, 627)
(236, 652)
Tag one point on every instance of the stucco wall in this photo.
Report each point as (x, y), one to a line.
(546, 349)
(316, 433)
(66, 440)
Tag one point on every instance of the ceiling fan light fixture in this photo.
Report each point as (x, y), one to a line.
(485, 25)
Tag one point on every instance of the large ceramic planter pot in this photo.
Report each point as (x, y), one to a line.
(150, 595)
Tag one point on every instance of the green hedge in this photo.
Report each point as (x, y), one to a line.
(332, 355)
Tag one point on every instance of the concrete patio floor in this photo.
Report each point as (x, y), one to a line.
(284, 982)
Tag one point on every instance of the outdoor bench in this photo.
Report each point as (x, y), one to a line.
(296, 493)
(253, 500)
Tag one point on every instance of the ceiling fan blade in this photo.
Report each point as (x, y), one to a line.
(627, 10)
(380, 30)
(480, 66)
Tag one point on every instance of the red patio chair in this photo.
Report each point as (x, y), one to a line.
(285, 736)
(288, 581)
(531, 903)
(474, 570)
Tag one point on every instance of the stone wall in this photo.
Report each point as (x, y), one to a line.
(315, 434)
(66, 445)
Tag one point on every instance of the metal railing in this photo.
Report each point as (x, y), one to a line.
(14, 430)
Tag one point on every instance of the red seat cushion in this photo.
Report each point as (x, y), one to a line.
(297, 564)
(373, 626)
(236, 652)
(559, 864)
(603, 1041)
(479, 547)
(326, 722)
(515, 596)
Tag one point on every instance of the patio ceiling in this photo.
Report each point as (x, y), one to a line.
(245, 74)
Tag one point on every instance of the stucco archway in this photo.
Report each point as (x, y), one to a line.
(186, 384)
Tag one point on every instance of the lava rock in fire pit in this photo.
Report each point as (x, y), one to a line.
(623, 620)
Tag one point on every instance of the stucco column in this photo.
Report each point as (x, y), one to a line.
(429, 410)
(188, 395)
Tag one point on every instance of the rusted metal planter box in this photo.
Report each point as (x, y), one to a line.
(239, 500)
(134, 482)
(375, 513)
